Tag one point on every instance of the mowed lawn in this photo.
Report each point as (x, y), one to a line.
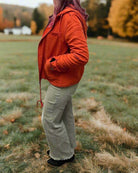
(105, 109)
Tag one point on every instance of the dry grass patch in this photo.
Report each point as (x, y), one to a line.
(24, 96)
(30, 154)
(2, 122)
(113, 133)
(38, 161)
(11, 117)
(38, 165)
(25, 152)
(106, 130)
(89, 104)
(88, 165)
(101, 121)
(78, 146)
(117, 162)
(37, 122)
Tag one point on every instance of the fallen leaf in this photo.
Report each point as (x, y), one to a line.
(96, 69)
(12, 120)
(39, 117)
(92, 53)
(9, 100)
(37, 155)
(79, 146)
(135, 60)
(31, 129)
(7, 146)
(125, 100)
(124, 128)
(61, 171)
(2, 122)
(103, 146)
(42, 168)
(5, 132)
(93, 91)
(119, 62)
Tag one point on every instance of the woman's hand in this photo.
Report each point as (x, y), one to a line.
(49, 65)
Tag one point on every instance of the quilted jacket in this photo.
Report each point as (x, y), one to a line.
(63, 50)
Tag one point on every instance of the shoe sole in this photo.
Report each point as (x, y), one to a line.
(68, 161)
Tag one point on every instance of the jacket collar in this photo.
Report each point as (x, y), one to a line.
(66, 10)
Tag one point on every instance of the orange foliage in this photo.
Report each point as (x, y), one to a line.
(1, 18)
(4, 23)
(1, 14)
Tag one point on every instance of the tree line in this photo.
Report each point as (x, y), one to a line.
(14, 16)
(113, 17)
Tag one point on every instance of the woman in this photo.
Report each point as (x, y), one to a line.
(62, 55)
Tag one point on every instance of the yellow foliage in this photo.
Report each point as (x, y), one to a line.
(46, 11)
(18, 22)
(33, 27)
(123, 17)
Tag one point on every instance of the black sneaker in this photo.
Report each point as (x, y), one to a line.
(60, 162)
(48, 152)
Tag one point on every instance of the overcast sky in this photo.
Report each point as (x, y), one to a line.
(30, 3)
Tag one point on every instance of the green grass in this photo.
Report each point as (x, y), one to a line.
(110, 77)
(112, 74)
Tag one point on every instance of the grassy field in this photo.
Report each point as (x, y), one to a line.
(105, 109)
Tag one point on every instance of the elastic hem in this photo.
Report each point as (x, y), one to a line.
(55, 158)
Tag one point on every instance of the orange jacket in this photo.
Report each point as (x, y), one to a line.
(63, 50)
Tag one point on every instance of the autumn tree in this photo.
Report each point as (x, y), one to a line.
(7, 23)
(46, 11)
(1, 14)
(123, 17)
(25, 18)
(98, 13)
(33, 27)
(4, 23)
(18, 22)
(1, 18)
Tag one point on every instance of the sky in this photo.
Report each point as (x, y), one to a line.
(28, 3)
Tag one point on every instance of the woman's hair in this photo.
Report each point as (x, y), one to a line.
(61, 4)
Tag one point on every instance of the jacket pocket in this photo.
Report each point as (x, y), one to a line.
(51, 75)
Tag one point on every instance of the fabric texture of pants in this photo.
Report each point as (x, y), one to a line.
(58, 121)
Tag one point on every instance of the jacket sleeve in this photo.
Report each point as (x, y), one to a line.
(77, 43)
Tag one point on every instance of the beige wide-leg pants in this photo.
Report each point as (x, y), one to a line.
(58, 121)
